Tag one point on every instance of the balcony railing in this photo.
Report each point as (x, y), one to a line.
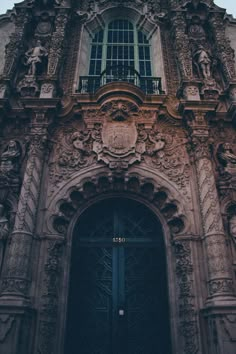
(149, 85)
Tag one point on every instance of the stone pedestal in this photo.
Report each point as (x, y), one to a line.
(16, 330)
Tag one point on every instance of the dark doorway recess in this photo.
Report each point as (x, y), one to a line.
(118, 298)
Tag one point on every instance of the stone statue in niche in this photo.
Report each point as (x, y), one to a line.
(227, 157)
(34, 57)
(204, 62)
(9, 161)
(4, 231)
(232, 227)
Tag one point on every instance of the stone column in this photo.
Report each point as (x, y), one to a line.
(16, 280)
(220, 283)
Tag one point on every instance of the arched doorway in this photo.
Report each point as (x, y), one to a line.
(118, 298)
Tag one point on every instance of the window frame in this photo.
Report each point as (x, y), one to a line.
(136, 45)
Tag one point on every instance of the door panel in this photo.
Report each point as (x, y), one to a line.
(118, 294)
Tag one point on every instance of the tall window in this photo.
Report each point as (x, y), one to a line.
(120, 48)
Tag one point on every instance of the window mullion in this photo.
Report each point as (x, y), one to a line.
(104, 49)
(136, 54)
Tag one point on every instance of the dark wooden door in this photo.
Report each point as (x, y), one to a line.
(118, 301)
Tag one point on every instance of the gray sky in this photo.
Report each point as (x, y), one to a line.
(230, 5)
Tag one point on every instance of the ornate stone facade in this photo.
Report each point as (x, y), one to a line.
(165, 142)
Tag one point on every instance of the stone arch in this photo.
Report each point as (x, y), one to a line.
(143, 185)
(83, 190)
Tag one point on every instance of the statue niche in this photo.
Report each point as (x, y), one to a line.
(227, 158)
(10, 163)
(34, 58)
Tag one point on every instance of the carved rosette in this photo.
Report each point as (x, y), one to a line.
(187, 313)
(16, 278)
(219, 277)
(57, 43)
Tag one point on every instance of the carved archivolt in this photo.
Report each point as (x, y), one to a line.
(80, 193)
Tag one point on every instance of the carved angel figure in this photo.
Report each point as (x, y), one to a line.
(34, 57)
(159, 143)
(4, 231)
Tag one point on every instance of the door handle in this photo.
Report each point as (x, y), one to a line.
(121, 312)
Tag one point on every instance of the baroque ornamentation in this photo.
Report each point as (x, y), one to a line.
(151, 8)
(182, 46)
(166, 150)
(13, 47)
(103, 184)
(223, 49)
(50, 296)
(16, 278)
(10, 164)
(187, 312)
(57, 43)
(227, 158)
(216, 249)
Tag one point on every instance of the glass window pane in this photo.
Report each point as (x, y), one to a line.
(99, 52)
(148, 69)
(141, 55)
(109, 52)
(109, 37)
(93, 52)
(131, 52)
(147, 53)
(120, 52)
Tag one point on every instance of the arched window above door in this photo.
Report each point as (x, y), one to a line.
(120, 52)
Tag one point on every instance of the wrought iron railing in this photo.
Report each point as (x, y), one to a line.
(149, 85)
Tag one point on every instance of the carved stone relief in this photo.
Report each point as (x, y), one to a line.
(50, 296)
(187, 313)
(119, 135)
(10, 164)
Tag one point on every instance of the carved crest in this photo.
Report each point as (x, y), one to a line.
(119, 138)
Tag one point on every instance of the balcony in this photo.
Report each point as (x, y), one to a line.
(149, 85)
